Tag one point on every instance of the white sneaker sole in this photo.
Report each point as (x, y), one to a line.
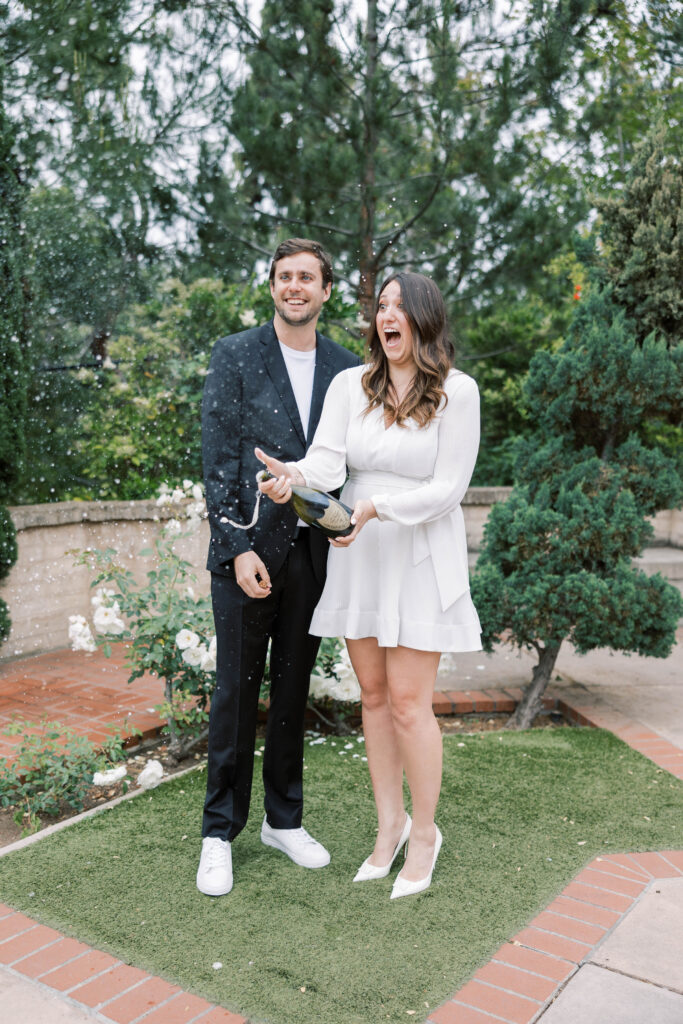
(214, 891)
(277, 845)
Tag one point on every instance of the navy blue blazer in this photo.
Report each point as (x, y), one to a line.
(248, 402)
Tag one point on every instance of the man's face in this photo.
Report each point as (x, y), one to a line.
(297, 289)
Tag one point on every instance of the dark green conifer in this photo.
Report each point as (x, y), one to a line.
(643, 232)
(12, 380)
(556, 558)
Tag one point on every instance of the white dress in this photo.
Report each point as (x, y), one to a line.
(404, 580)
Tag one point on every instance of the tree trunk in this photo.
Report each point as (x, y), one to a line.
(531, 703)
(367, 265)
(98, 345)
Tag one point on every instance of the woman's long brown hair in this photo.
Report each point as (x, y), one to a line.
(433, 352)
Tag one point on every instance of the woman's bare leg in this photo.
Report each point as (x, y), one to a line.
(410, 677)
(381, 744)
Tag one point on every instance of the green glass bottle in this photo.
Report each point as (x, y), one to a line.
(319, 509)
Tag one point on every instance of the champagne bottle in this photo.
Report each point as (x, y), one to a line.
(317, 508)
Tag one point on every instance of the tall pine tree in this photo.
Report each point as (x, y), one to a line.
(404, 137)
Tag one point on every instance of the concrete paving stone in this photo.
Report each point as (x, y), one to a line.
(599, 996)
(648, 943)
(24, 1002)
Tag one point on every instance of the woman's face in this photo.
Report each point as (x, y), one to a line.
(394, 329)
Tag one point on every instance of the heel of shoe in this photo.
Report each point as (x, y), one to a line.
(369, 872)
(403, 887)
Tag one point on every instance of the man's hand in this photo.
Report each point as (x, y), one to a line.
(248, 566)
(363, 510)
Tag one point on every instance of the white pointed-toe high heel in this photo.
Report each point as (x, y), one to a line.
(367, 872)
(402, 887)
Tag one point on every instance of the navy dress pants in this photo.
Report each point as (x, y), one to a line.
(244, 626)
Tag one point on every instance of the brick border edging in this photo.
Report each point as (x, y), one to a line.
(518, 984)
(89, 978)
(528, 972)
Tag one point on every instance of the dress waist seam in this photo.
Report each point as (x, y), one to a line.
(388, 480)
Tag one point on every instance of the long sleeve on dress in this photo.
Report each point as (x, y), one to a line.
(324, 466)
(457, 453)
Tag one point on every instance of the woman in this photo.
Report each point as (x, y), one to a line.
(407, 426)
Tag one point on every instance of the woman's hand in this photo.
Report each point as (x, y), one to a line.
(363, 510)
(279, 489)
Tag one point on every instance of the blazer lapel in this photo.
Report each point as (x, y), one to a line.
(324, 372)
(275, 365)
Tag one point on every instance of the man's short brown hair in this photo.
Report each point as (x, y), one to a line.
(292, 246)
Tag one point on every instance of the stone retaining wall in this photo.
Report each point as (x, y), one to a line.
(45, 586)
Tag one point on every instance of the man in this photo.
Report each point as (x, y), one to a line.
(264, 387)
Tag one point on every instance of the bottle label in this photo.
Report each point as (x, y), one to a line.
(334, 517)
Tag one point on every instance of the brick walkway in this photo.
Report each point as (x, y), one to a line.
(89, 692)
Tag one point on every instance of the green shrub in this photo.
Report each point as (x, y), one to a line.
(52, 771)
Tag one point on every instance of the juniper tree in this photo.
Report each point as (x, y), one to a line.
(556, 558)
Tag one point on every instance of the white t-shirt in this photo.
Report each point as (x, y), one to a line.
(301, 370)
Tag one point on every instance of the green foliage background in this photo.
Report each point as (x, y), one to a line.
(429, 135)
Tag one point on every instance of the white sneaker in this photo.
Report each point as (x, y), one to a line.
(299, 846)
(214, 876)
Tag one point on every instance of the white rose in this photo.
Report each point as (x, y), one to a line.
(151, 775)
(198, 492)
(80, 635)
(173, 528)
(318, 688)
(347, 689)
(187, 485)
(83, 642)
(248, 318)
(194, 656)
(185, 639)
(208, 662)
(106, 620)
(102, 596)
(110, 776)
(177, 495)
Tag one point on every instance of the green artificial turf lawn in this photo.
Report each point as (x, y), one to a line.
(520, 814)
